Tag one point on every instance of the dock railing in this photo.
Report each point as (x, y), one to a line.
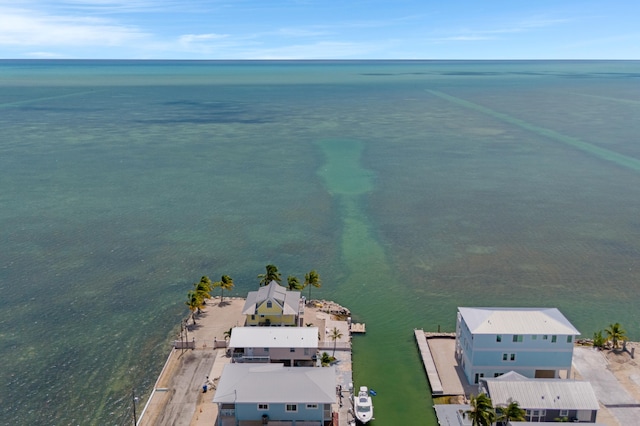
(340, 346)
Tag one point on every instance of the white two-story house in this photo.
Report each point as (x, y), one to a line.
(534, 342)
(291, 346)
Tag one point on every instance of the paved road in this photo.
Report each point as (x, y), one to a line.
(193, 369)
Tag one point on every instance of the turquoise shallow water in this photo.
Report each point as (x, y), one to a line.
(412, 187)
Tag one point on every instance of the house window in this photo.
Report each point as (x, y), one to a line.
(564, 413)
(291, 408)
(263, 407)
(554, 339)
(545, 337)
(312, 406)
(517, 337)
(292, 349)
(269, 304)
(569, 339)
(499, 338)
(253, 317)
(535, 415)
(505, 357)
(512, 357)
(497, 374)
(266, 350)
(534, 337)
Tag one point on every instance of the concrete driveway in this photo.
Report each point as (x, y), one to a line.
(592, 366)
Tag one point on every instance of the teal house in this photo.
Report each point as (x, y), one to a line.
(534, 342)
(250, 394)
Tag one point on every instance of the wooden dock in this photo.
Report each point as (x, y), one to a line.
(429, 364)
(358, 328)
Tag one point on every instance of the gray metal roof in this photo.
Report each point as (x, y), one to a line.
(274, 383)
(450, 414)
(274, 337)
(288, 300)
(517, 321)
(543, 394)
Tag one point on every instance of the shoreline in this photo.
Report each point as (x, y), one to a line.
(177, 392)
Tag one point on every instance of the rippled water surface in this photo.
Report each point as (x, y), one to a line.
(412, 187)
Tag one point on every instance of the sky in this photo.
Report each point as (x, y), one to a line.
(320, 29)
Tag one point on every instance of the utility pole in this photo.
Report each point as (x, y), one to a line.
(181, 337)
(133, 397)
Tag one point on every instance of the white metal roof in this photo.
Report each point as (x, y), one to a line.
(517, 321)
(274, 337)
(274, 383)
(543, 394)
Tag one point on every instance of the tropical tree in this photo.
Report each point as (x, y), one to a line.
(616, 334)
(194, 302)
(272, 274)
(225, 283)
(312, 279)
(294, 283)
(203, 289)
(335, 335)
(511, 412)
(481, 413)
(326, 360)
(598, 340)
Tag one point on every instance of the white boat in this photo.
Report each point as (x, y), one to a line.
(362, 405)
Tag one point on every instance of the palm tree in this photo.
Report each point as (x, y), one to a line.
(325, 360)
(335, 335)
(294, 283)
(194, 302)
(203, 288)
(481, 413)
(615, 333)
(271, 275)
(225, 283)
(511, 412)
(312, 279)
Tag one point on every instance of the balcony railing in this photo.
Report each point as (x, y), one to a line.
(250, 358)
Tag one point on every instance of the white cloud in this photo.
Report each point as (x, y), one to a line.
(496, 33)
(464, 38)
(300, 32)
(95, 6)
(526, 26)
(30, 28)
(319, 50)
(195, 38)
(44, 55)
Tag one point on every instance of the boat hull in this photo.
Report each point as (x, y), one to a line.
(363, 406)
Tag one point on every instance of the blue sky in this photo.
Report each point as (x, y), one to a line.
(320, 29)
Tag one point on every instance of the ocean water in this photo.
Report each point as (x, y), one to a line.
(412, 187)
